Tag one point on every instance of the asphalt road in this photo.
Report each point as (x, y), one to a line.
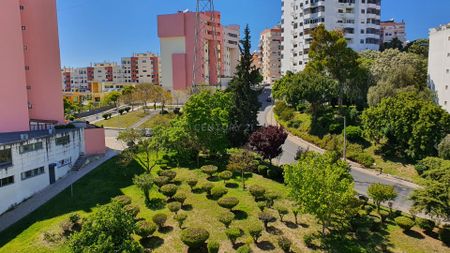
(363, 177)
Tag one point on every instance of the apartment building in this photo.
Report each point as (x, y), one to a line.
(270, 48)
(439, 64)
(391, 29)
(178, 50)
(358, 19)
(33, 153)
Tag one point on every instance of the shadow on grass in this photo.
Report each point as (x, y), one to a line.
(96, 188)
(274, 231)
(232, 185)
(187, 207)
(265, 245)
(414, 234)
(156, 204)
(153, 242)
(338, 241)
(239, 214)
(165, 230)
(291, 225)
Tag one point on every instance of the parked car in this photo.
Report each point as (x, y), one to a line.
(147, 132)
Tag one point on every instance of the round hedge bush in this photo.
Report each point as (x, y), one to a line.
(213, 247)
(209, 169)
(194, 237)
(145, 229)
(180, 218)
(169, 190)
(180, 197)
(266, 217)
(405, 223)
(244, 249)
(206, 187)
(284, 243)
(161, 181)
(354, 133)
(261, 205)
(174, 207)
(192, 182)
(123, 200)
(225, 175)
(282, 210)
(255, 231)
(133, 210)
(233, 234)
(170, 174)
(425, 224)
(226, 218)
(257, 191)
(228, 202)
(218, 191)
(159, 219)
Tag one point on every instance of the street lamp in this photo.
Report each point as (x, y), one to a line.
(344, 153)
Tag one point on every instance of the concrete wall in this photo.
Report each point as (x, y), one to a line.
(13, 93)
(169, 47)
(94, 139)
(50, 153)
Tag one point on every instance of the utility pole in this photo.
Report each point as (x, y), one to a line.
(345, 139)
(205, 43)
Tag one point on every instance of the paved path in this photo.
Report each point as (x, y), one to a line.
(144, 119)
(27, 207)
(363, 177)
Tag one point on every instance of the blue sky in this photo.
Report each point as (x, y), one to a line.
(98, 30)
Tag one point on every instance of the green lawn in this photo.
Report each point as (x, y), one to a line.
(158, 120)
(110, 180)
(123, 121)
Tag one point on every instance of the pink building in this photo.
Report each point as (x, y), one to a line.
(30, 88)
(178, 38)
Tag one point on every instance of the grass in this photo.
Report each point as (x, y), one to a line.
(400, 168)
(111, 179)
(158, 120)
(123, 121)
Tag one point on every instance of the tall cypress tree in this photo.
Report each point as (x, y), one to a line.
(246, 105)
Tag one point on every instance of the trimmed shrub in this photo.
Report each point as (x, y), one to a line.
(226, 218)
(213, 247)
(145, 229)
(270, 197)
(170, 174)
(169, 190)
(368, 209)
(192, 182)
(362, 158)
(262, 170)
(123, 200)
(425, 224)
(225, 175)
(133, 210)
(161, 181)
(210, 170)
(244, 249)
(127, 109)
(194, 237)
(218, 191)
(284, 243)
(121, 111)
(228, 202)
(287, 114)
(444, 234)
(383, 215)
(354, 133)
(282, 210)
(255, 231)
(296, 212)
(233, 234)
(159, 219)
(180, 197)
(206, 187)
(257, 191)
(174, 207)
(405, 223)
(266, 217)
(308, 239)
(180, 218)
(261, 205)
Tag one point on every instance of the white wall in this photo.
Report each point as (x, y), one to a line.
(439, 65)
(170, 46)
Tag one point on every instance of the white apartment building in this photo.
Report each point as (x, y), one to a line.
(270, 54)
(391, 29)
(358, 19)
(439, 64)
(231, 53)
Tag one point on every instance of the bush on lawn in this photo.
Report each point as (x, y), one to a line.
(159, 219)
(270, 197)
(133, 210)
(233, 234)
(180, 197)
(405, 223)
(169, 190)
(244, 249)
(121, 111)
(354, 133)
(444, 148)
(262, 170)
(228, 202)
(170, 174)
(261, 205)
(145, 229)
(218, 191)
(213, 247)
(362, 158)
(266, 217)
(257, 192)
(194, 237)
(71, 225)
(206, 187)
(210, 170)
(180, 218)
(255, 231)
(383, 215)
(161, 181)
(284, 243)
(174, 207)
(226, 218)
(123, 200)
(282, 210)
(425, 224)
(192, 182)
(225, 175)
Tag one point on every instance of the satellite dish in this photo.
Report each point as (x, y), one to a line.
(186, 11)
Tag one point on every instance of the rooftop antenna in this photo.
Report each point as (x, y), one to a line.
(205, 41)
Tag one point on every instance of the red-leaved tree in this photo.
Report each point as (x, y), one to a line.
(267, 141)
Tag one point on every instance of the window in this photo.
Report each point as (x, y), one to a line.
(32, 173)
(62, 140)
(6, 181)
(5, 157)
(24, 28)
(30, 147)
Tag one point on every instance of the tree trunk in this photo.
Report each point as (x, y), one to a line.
(243, 180)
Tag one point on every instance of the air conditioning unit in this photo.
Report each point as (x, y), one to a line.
(24, 137)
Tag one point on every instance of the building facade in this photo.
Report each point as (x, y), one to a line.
(179, 50)
(270, 48)
(391, 29)
(358, 19)
(439, 64)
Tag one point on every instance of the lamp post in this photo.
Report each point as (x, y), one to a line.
(345, 139)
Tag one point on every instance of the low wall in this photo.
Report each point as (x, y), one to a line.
(94, 139)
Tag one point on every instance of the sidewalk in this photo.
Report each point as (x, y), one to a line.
(40, 198)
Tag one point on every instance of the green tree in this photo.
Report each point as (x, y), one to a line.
(241, 161)
(410, 125)
(420, 47)
(113, 98)
(145, 183)
(70, 107)
(129, 95)
(109, 229)
(243, 116)
(323, 187)
(146, 92)
(395, 43)
(207, 116)
(444, 148)
(381, 193)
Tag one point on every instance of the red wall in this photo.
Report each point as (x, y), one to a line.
(94, 139)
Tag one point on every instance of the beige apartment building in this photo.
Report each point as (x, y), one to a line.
(270, 54)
